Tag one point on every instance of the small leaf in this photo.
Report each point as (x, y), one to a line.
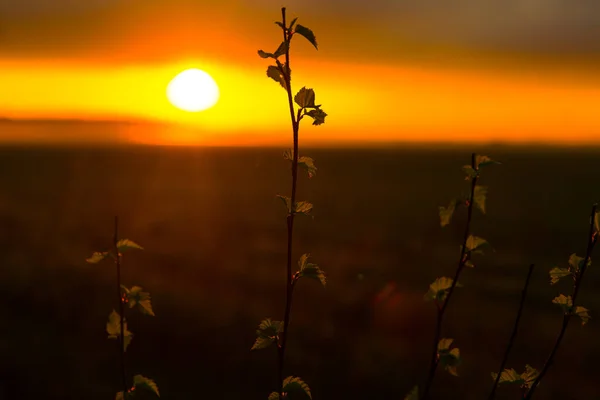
(449, 358)
(267, 333)
(295, 384)
(597, 222)
(475, 243)
(482, 161)
(135, 296)
(119, 396)
(576, 262)
(305, 98)
(310, 270)
(308, 34)
(479, 196)
(413, 395)
(140, 381)
(264, 54)
(557, 273)
(444, 344)
(469, 264)
(446, 213)
(274, 73)
(565, 302)
(303, 207)
(438, 290)
(293, 23)
(582, 313)
(97, 257)
(305, 162)
(113, 328)
(471, 173)
(273, 396)
(529, 376)
(509, 376)
(126, 244)
(286, 200)
(308, 164)
(317, 115)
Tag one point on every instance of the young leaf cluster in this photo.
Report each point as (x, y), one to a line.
(302, 104)
(441, 290)
(117, 327)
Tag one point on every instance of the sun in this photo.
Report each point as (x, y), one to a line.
(193, 90)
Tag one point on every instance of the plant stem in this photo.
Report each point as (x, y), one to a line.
(461, 263)
(121, 307)
(513, 334)
(591, 242)
(290, 218)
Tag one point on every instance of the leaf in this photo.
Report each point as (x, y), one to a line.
(557, 273)
(446, 213)
(479, 196)
(308, 164)
(135, 296)
(278, 53)
(444, 344)
(565, 302)
(582, 313)
(113, 328)
(469, 264)
(305, 98)
(597, 221)
(140, 381)
(119, 396)
(295, 384)
(308, 34)
(293, 22)
(471, 173)
(482, 161)
(126, 244)
(529, 376)
(273, 396)
(97, 257)
(317, 115)
(438, 290)
(413, 395)
(274, 73)
(286, 200)
(475, 243)
(509, 376)
(267, 333)
(311, 270)
(449, 358)
(575, 261)
(305, 162)
(303, 207)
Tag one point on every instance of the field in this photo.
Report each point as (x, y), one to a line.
(214, 234)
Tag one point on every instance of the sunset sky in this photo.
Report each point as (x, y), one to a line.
(386, 70)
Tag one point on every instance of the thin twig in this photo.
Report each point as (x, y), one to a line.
(290, 217)
(121, 307)
(591, 242)
(513, 335)
(442, 310)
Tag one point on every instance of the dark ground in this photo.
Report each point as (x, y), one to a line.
(214, 234)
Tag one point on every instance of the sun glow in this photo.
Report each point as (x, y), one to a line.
(193, 90)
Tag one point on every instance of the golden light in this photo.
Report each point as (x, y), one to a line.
(193, 90)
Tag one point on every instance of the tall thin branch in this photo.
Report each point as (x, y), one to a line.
(290, 217)
(513, 335)
(461, 264)
(591, 242)
(121, 307)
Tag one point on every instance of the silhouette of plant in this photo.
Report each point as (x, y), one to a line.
(116, 327)
(272, 331)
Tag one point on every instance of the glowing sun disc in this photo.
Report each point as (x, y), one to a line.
(193, 90)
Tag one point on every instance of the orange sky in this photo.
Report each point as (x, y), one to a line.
(464, 96)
